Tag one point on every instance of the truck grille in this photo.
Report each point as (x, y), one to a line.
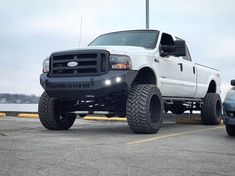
(87, 63)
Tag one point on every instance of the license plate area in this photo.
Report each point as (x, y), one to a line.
(70, 86)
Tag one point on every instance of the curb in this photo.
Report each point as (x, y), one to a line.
(193, 121)
(95, 118)
(32, 116)
(2, 115)
(105, 119)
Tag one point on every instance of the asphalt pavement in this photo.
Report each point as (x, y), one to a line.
(98, 148)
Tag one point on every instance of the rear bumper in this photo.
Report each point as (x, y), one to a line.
(229, 106)
(87, 87)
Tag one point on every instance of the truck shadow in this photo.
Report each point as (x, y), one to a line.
(106, 128)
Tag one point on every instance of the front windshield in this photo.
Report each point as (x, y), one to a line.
(141, 38)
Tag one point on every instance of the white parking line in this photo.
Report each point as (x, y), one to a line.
(171, 135)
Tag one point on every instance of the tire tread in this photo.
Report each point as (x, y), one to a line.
(137, 106)
(208, 110)
(48, 114)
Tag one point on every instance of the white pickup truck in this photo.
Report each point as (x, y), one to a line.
(137, 74)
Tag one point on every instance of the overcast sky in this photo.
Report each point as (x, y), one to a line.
(31, 30)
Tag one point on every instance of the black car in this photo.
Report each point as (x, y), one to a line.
(229, 110)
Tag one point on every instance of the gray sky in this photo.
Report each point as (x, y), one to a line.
(31, 30)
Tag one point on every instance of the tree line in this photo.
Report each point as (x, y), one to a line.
(18, 98)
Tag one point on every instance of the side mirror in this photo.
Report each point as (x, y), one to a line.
(180, 48)
(233, 82)
(166, 50)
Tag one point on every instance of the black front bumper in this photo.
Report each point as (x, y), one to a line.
(229, 106)
(87, 87)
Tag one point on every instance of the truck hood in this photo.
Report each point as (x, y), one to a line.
(119, 49)
(122, 50)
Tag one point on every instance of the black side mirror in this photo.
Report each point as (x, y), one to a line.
(233, 82)
(180, 48)
(166, 50)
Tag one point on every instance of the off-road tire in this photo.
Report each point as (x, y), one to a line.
(230, 130)
(51, 115)
(177, 109)
(211, 110)
(144, 109)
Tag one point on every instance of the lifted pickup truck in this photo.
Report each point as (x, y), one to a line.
(136, 74)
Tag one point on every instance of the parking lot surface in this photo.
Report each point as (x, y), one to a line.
(100, 148)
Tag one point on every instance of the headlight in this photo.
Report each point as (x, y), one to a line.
(45, 65)
(230, 114)
(120, 62)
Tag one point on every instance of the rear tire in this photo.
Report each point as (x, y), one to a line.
(230, 130)
(52, 114)
(144, 109)
(211, 110)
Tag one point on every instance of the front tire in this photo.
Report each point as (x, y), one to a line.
(211, 110)
(52, 113)
(230, 130)
(144, 109)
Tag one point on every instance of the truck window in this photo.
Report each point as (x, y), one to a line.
(167, 40)
(187, 57)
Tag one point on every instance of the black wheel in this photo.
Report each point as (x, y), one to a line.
(52, 113)
(144, 109)
(230, 130)
(211, 110)
(178, 109)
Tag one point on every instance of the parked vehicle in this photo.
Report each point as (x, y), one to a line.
(137, 73)
(229, 110)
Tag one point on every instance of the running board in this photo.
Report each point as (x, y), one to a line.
(170, 99)
(94, 112)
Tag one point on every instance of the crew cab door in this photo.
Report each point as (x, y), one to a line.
(170, 69)
(189, 76)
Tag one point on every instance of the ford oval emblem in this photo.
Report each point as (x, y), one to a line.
(72, 64)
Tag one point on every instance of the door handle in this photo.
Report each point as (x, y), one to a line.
(194, 70)
(181, 66)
